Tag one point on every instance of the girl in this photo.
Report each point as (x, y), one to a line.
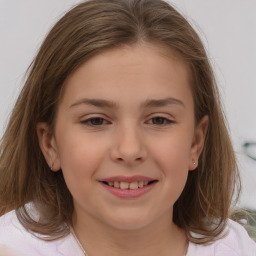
(117, 144)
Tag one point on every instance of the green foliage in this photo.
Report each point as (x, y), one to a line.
(247, 218)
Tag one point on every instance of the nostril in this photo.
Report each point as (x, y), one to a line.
(138, 159)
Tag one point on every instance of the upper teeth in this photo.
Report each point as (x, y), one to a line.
(127, 185)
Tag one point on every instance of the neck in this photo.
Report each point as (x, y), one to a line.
(162, 237)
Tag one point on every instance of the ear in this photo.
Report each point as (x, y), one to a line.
(47, 143)
(198, 142)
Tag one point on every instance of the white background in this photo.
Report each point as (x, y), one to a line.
(227, 27)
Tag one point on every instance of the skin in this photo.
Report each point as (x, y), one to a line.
(127, 140)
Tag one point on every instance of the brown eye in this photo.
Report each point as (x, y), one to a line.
(160, 120)
(97, 121)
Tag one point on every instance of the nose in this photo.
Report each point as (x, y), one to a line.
(128, 147)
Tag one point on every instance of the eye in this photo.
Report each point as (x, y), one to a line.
(95, 121)
(158, 120)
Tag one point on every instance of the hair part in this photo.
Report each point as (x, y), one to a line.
(88, 29)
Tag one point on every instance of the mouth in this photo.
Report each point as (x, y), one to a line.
(126, 187)
(129, 185)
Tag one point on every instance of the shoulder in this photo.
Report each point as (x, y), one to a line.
(15, 239)
(236, 242)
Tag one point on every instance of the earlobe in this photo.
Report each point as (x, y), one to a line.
(198, 142)
(48, 146)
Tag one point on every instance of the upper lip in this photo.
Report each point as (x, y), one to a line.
(128, 179)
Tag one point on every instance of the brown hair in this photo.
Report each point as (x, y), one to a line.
(88, 29)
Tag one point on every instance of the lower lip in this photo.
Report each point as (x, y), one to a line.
(128, 193)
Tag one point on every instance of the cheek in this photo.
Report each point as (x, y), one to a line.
(80, 159)
(172, 155)
(174, 166)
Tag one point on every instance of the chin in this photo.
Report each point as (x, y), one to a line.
(129, 221)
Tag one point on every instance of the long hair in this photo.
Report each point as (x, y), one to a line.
(85, 31)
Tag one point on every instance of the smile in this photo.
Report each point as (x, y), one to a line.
(128, 187)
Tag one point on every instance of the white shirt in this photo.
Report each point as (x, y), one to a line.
(16, 241)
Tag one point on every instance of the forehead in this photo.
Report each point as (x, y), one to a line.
(140, 70)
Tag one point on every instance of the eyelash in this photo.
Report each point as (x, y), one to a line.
(166, 121)
(89, 122)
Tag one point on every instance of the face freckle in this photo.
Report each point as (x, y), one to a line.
(127, 112)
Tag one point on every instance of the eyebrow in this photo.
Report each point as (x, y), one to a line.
(100, 103)
(95, 102)
(161, 102)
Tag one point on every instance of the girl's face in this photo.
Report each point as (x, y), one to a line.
(126, 119)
